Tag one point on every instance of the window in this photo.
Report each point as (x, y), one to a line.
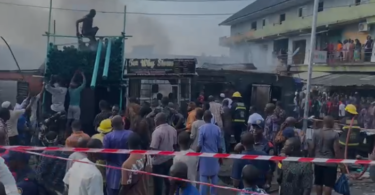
(357, 2)
(300, 12)
(264, 22)
(282, 18)
(320, 6)
(254, 26)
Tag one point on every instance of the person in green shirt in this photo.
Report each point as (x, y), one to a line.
(74, 110)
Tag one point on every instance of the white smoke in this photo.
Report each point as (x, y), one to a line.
(23, 27)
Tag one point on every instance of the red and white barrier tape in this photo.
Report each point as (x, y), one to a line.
(196, 154)
(141, 172)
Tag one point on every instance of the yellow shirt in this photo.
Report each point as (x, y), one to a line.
(99, 136)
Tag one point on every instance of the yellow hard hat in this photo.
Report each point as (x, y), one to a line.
(351, 109)
(105, 126)
(236, 94)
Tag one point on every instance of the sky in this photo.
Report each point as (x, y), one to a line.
(22, 27)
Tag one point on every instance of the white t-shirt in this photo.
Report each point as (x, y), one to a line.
(58, 97)
(13, 120)
(254, 118)
(342, 110)
(84, 179)
(229, 102)
(7, 179)
(190, 161)
(74, 156)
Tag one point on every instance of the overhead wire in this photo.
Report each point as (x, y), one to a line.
(160, 14)
(117, 12)
(196, 1)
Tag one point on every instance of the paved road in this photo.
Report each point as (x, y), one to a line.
(360, 187)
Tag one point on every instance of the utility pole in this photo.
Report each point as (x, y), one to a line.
(54, 31)
(311, 56)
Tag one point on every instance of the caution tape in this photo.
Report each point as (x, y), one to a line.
(195, 154)
(141, 172)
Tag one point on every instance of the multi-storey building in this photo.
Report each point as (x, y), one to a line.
(273, 32)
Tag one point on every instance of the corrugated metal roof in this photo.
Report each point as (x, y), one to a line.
(345, 80)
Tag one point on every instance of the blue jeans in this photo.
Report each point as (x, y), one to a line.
(113, 191)
(203, 189)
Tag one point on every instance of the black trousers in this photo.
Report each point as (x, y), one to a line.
(237, 129)
(14, 140)
(227, 138)
(162, 169)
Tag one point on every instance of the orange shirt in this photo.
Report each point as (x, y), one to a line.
(190, 119)
(72, 140)
(339, 47)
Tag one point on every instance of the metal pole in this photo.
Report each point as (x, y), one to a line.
(123, 65)
(48, 48)
(107, 58)
(49, 20)
(311, 55)
(96, 66)
(54, 31)
(124, 39)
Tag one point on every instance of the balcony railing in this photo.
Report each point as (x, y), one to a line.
(228, 41)
(328, 58)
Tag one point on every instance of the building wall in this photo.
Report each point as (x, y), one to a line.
(261, 53)
(291, 13)
(35, 83)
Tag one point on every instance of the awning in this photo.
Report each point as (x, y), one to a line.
(304, 75)
(345, 80)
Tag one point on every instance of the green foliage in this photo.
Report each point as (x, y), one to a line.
(66, 61)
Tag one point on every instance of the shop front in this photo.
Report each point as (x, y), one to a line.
(151, 79)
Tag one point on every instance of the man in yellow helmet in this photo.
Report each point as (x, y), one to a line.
(238, 110)
(350, 123)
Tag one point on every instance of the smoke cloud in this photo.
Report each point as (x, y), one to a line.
(23, 27)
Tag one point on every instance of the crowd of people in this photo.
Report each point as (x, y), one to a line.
(350, 50)
(208, 127)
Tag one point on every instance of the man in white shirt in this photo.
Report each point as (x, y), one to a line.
(190, 161)
(253, 118)
(85, 178)
(230, 101)
(342, 109)
(12, 123)
(7, 179)
(58, 93)
(81, 143)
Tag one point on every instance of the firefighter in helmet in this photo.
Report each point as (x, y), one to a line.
(238, 115)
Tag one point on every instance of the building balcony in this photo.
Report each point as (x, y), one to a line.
(335, 62)
(230, 41)
(328, 17)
